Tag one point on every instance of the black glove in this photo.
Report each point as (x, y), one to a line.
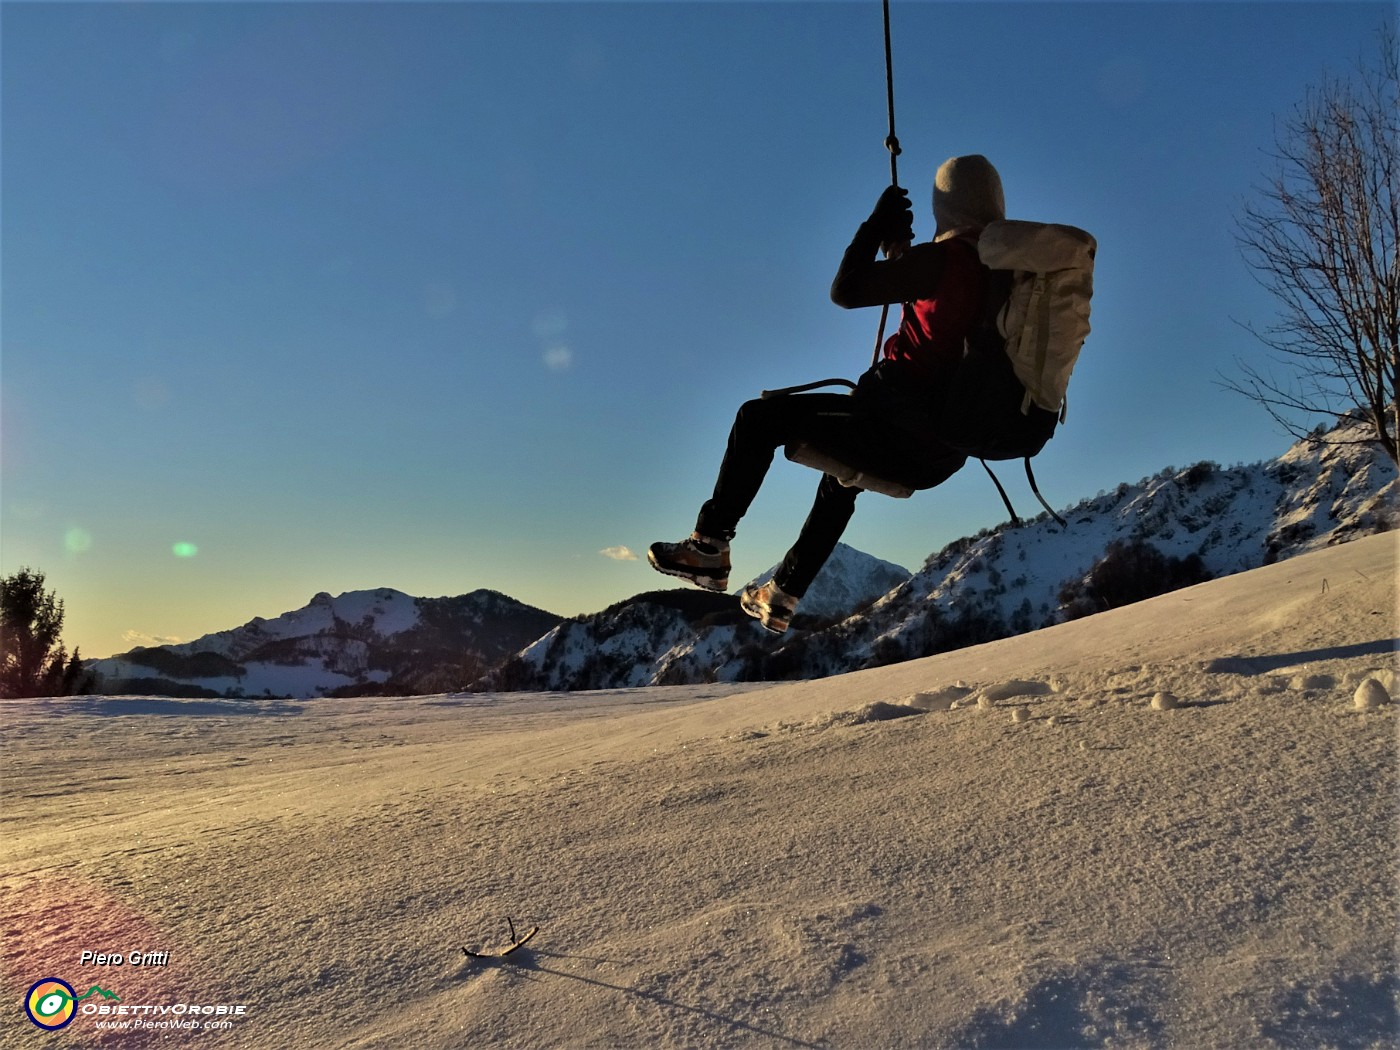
(893, 218)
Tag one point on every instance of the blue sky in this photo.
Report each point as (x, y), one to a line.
(439, 296)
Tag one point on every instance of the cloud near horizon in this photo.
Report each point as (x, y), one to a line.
(618, 553)
(142, 638)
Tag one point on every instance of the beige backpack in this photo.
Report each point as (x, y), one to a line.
(1046, 318)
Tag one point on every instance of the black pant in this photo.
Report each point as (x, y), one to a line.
(854, 429)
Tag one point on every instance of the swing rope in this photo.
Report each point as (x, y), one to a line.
(891, 144)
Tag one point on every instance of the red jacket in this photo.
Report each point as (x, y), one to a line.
(943, 287)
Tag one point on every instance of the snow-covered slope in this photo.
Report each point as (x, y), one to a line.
(384, 612)
(1062, 858)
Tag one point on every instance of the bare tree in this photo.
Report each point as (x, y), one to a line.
(1324, 238)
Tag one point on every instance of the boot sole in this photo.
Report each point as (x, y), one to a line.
(708, 583)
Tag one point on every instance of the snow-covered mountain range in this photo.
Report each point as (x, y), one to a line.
(360, 642)
(1177, 527)
(672, 637)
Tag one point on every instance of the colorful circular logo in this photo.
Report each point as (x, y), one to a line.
(51, 1003)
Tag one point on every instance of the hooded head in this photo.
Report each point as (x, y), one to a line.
(966, 192)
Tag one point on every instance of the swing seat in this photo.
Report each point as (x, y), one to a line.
(804, 453)
(811, 456)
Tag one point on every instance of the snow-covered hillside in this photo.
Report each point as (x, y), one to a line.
(1220, 520)
(1178, 527)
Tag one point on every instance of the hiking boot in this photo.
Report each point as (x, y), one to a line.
(770, 605)
(699, 559)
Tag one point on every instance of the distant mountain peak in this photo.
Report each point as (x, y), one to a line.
(357, 641)
(850, 580)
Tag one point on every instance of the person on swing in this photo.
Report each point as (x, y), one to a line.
(887, 426)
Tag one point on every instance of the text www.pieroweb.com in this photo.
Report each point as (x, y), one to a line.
(180, 1017)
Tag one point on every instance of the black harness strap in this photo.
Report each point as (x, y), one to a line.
(1016, 521)
(804, 387)
(1030, 476)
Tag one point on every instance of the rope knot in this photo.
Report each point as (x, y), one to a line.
(892, 144)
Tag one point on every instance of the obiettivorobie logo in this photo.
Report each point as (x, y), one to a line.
(51, 1004)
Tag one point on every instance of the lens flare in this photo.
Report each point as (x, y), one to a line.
(77, 541)
(184, 549)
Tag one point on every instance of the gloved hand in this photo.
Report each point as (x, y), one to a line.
(893, 219)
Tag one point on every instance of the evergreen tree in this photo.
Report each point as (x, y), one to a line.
(33, 661)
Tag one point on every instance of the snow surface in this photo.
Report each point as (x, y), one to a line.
(1003, 846)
